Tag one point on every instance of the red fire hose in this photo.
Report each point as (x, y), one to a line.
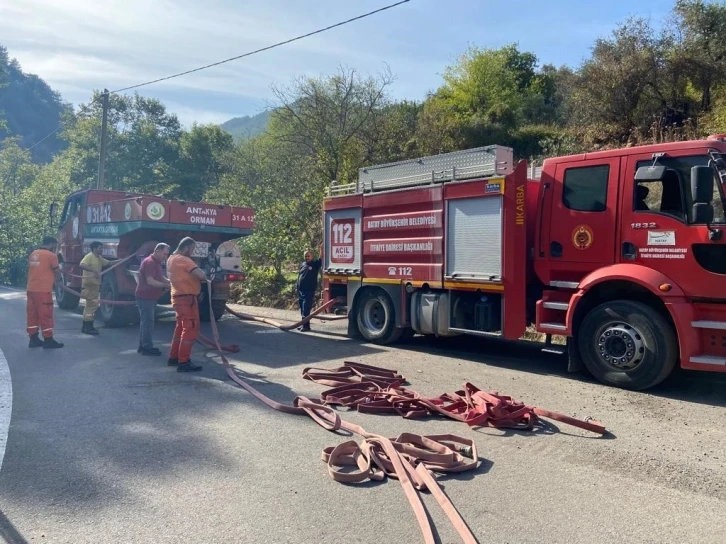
(410, 458)
(102, 301)
(378, 390)
(313, 315)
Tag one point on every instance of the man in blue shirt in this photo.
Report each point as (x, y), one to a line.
(307, 283)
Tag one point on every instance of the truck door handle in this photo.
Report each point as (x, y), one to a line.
(555, 249)
(629, 251)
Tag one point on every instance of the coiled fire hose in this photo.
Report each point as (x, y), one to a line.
(410, 458)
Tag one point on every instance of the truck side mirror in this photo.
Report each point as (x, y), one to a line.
(702, 184)
(702, 193)
(702, 213)
(650, 173)
(53, 212)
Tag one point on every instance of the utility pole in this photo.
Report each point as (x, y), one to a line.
(104, 136)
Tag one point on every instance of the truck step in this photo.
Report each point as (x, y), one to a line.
(555, 349)
(553, 326)
(556, 305)
(709, 360)
(720, 325)
(565, 284)
(476, 333)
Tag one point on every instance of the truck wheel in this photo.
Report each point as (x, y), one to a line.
(218, 307)
(115, 316)
(376, 318)
(64, 299)
(627, 344)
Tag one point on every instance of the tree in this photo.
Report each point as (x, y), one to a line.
(17, 170)
(203, 159)
(702, 27)
(335, 120)
(29, 109)
(625, 86)
(142, 146)
(492, 96)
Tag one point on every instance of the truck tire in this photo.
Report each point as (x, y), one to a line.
(627, 344)
(218, 307)
(64, 299)
(115, 316)
(376, 318)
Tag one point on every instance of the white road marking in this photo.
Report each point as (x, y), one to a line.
(6, 404)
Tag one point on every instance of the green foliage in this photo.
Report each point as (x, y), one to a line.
(29, 109)
(638, 86)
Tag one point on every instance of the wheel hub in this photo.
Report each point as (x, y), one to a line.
(620, 346)
(106, 293)
(374, 316)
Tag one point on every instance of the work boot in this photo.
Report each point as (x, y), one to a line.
(305, 328)
(172, 362)
(35, 341)
(51, 343)
(188, 367)
(150, 351)
(88, 328)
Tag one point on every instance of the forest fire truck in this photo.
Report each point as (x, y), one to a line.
(131, 224)
(621, 252)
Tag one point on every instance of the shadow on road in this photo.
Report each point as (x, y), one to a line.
(8, 532)
(688, 386)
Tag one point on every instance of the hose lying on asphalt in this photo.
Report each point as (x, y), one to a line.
(379, 390)
(410, 458)
(313, 315)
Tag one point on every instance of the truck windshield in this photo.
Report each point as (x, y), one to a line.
(674, 198)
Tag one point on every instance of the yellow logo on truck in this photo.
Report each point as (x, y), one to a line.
(582, 237)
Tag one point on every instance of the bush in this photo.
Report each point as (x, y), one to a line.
(265, 287)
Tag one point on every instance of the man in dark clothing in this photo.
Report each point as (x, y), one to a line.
(149, 288)
(307, 283)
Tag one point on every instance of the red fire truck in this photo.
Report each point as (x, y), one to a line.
(620, 251)
(131, 224)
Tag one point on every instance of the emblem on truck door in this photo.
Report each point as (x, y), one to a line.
(582, 237)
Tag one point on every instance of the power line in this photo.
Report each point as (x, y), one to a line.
(267, 48)
(264, 48)
(36, 144)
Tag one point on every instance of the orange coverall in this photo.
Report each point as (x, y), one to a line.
(42, 265)
(185, 288)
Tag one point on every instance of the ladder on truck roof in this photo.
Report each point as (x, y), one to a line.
(480, 162)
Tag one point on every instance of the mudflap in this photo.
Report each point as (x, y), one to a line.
(574, 359)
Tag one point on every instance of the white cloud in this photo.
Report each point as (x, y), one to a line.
(84, 44)
(81, 45)
(187, 115)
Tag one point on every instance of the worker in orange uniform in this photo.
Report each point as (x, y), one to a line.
(43, 270)
(92, 265)
(186, 281)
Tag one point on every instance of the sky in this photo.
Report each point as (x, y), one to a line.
(77, 46)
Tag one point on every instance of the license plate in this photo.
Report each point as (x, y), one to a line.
(201, 249)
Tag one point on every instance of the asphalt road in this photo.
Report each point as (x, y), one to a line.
(107, 446)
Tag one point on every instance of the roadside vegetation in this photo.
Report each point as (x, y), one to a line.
(639, 85)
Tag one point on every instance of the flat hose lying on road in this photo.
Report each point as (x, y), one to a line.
(410, 458)
(378, 390)
(313, 315)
